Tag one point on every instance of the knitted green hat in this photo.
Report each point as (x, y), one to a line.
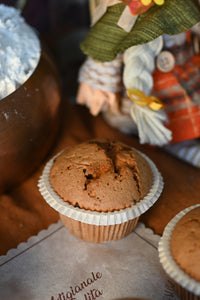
(106, 39)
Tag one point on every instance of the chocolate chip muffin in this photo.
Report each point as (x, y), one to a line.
(100, 175)
(100, 188)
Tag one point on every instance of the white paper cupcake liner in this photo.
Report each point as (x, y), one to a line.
(167, 260)
(100, 218)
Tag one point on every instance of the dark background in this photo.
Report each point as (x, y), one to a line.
(49, 16)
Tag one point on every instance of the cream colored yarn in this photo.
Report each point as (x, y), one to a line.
(139, 63)
(105, 76)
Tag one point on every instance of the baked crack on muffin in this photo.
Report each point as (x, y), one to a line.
(101, 175)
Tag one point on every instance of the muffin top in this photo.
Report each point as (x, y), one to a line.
(101, 175)
(185, 243)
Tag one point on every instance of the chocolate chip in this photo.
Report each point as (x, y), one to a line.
(89, 176)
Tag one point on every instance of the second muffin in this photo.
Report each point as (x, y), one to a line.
(179, 252)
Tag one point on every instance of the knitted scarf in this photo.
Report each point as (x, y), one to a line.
(106, 39)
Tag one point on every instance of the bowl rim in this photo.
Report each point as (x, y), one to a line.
(25, 82)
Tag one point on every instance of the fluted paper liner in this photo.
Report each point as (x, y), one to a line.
(169, 264)
(100, 218)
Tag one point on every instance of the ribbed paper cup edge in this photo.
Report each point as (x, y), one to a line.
(100, 218)
(98, 234)
(167, 261)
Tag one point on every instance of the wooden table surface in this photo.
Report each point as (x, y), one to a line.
(24, 212)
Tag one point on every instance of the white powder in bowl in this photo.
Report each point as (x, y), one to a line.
(19, 50)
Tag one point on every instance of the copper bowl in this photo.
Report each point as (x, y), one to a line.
(29, 121)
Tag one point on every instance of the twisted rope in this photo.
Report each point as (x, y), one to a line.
(139, 64)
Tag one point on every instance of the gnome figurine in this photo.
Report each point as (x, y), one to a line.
(142, 71)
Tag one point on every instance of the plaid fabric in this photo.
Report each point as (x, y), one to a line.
(180, 92)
